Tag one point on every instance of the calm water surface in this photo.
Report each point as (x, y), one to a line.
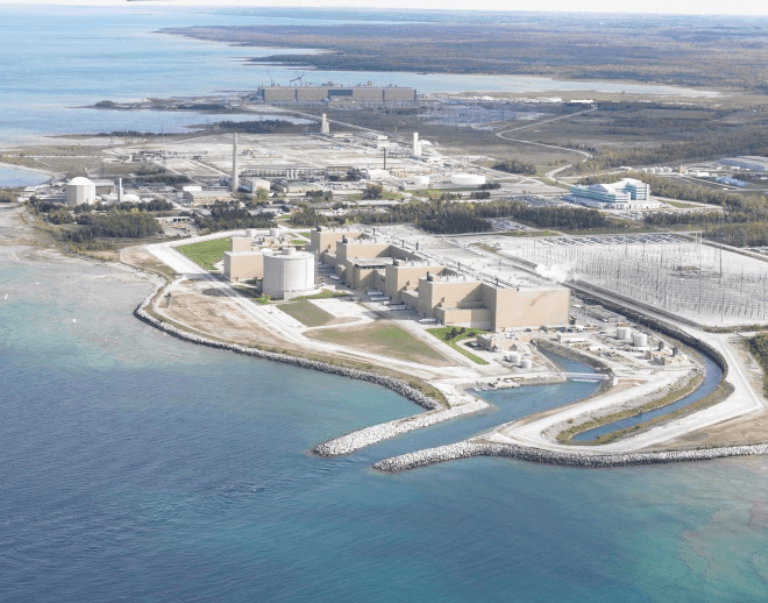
(134, 467)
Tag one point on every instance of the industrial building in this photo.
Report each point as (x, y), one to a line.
(369, 95)
(434, 290)
(80, 191)
(200, 197)
(747, 162)
(289, 274)
(627, 193)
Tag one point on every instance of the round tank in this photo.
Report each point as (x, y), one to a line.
(288, 274)
(513, 357)
(639, 340)
(464, 179)
(420, 180)
(526, 363)
(252, 233)
(79, 191)
(274, 232)
(623, 333)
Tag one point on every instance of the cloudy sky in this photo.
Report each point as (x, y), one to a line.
(698, 7)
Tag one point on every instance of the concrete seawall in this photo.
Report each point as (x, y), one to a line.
(468, 449)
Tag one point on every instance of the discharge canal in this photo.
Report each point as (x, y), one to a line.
(712, 378)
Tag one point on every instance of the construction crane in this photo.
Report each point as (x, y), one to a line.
(298, 78)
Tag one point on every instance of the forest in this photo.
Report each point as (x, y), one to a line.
(681, 52)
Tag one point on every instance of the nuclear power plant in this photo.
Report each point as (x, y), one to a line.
(235, 168)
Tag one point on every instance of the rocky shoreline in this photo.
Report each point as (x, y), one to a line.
(469, 449)
(357, 439)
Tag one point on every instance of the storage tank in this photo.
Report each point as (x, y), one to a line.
(464, 179)
(526, 363)
(251, 233)
(80, 191)
(420, 180)
(275, 232)
(623, 333)
(639, 340)
(289, 274)
(513, 357)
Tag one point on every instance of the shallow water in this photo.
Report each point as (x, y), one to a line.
(137, 467)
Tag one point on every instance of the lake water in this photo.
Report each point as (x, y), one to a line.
(11, 176)
(135, 467)
(55, 59)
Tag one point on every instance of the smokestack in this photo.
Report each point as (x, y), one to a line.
(119, 190)
(235, 170)
(325, 128)
(416, 145)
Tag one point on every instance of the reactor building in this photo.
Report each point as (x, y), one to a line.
(80, 191)
(289, 274)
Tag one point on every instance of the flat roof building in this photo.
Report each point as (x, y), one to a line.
(627, 193)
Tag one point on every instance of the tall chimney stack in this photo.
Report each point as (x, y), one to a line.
(235, 170)
(325, 128)
(416, 145)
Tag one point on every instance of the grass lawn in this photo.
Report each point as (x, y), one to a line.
(382, 338)
(306, 312)
(441, 332)
(207, 253)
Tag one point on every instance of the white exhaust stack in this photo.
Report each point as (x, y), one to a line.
(416, 145)
(235, 170)
(325, 128)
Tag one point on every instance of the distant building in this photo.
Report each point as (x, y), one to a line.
(80, 191)
(627, 193)
(207, 197)
(747, 162)
(298, 95)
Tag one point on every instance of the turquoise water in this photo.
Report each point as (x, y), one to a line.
(137, 467)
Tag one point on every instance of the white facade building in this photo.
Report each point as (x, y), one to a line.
(288, 275)
(627, 193)
(80, 191)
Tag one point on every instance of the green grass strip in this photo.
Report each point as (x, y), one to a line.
(207, 253)
(441, 332)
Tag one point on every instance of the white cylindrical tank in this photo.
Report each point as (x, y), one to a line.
(639, 340)
(623, 333)
(275, 232)
(420, 180)
(513, 357)
(251, 233)
(80, 191)
(526, 363)
(289, 274)
(464, 179)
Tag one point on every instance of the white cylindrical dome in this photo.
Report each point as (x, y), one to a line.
(513, 357)
(80, 191)
(464, 179)
(289, 274)
(639, 340)
(623, 333)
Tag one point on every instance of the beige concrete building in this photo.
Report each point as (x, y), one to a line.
(435, 291)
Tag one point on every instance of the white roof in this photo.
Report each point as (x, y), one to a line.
(79, 181)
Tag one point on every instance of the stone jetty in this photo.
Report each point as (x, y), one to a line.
(469, 448)
(352, 441)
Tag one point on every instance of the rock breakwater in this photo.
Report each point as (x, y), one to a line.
(355, 440)
(470, 449)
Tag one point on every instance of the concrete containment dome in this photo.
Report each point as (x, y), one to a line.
(464, 179)
(290, 274)
(80, 191)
